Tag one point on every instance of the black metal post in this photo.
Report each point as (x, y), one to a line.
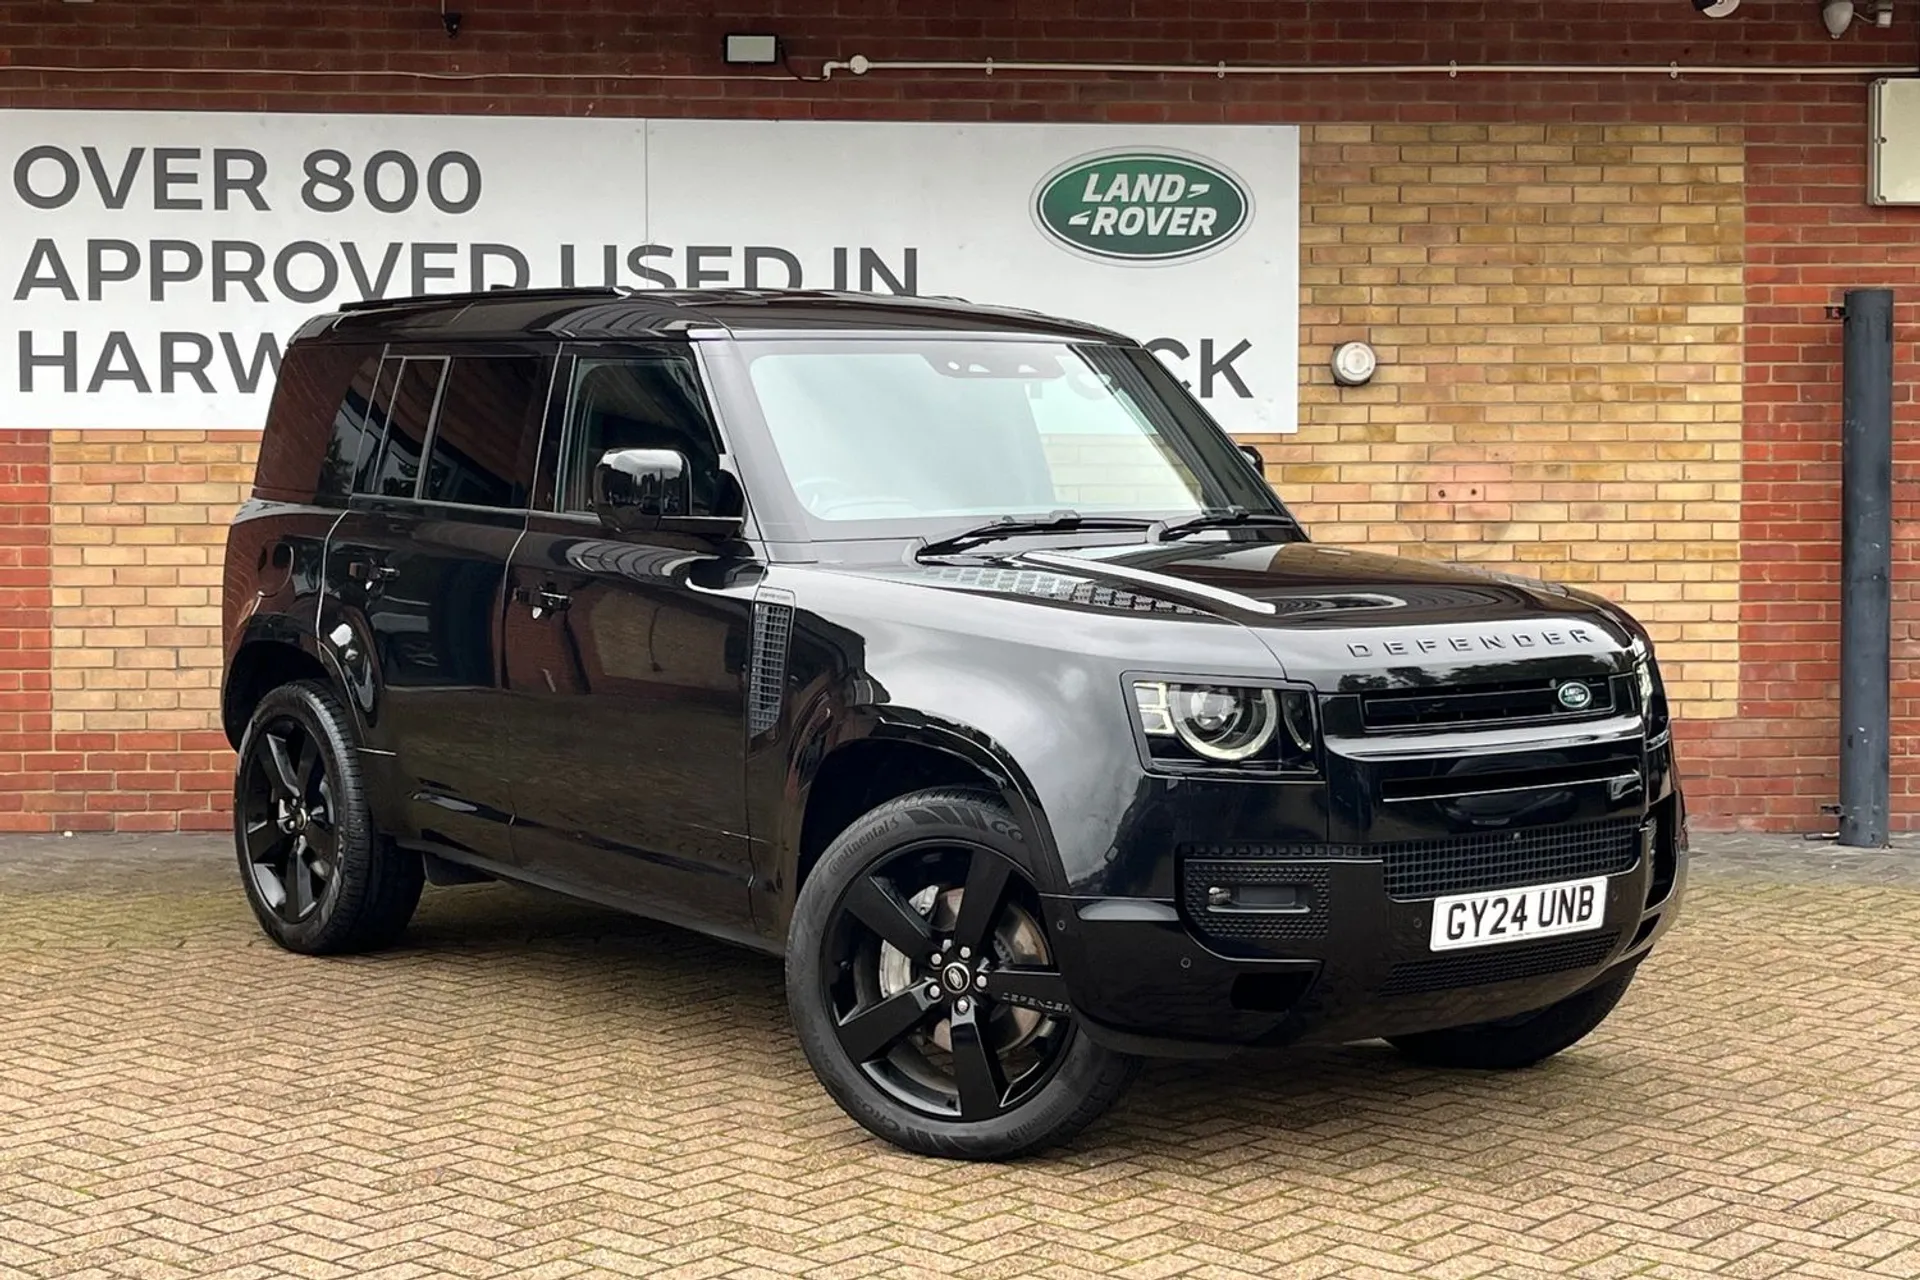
(1866, 565)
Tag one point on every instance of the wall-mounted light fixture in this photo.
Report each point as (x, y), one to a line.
(751, 49)
(1353, 364)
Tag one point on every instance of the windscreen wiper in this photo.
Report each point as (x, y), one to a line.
(1011, 526)
(1224, 518)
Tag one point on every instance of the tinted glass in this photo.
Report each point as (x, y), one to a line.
(487, 431)
(626, 402)
(296, 448)
(409, 412)
(356, 432)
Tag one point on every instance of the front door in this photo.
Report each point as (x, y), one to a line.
(416, 573)
(625, 659)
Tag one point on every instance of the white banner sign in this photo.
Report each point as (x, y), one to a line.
(158, 261)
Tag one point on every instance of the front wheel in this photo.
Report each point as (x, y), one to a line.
(1520, 1041)
(924, 990)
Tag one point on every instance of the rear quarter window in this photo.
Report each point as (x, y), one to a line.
(312, 381)
(408, 394)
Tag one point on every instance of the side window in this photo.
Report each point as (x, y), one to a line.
(409, 392)
(356, 433)
(488, 431)
(637, 402)
(297, 449)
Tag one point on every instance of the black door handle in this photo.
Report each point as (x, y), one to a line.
(542, 600)
(370, 571)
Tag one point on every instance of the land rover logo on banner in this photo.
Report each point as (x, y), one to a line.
(1142, 206)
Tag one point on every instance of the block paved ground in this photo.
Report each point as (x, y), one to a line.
(533, 1088)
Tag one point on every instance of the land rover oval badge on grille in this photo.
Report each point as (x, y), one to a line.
(1574, 695)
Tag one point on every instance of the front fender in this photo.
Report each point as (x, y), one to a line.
(1028, 693)
(994, 761)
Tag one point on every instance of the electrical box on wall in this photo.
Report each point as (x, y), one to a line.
(1893, 142)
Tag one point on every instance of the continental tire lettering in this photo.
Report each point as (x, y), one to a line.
(879, 831)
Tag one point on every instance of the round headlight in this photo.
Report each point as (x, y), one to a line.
(1225, 724)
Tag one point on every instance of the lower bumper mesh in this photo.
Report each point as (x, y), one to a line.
(1503, 964)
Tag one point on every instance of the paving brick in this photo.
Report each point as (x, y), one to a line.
(531, 1087)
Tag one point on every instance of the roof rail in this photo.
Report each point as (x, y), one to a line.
(498, 293)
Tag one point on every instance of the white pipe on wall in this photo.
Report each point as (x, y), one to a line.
(862, 65)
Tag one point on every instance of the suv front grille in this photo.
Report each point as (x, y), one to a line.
(1469, 864)
(1508, 859)
(1503, 964)
(1448, 708)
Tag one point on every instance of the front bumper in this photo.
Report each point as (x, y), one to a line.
(1151, 975)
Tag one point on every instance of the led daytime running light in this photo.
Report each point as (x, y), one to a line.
(1222, 723)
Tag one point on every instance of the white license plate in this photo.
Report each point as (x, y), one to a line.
(1518, 915)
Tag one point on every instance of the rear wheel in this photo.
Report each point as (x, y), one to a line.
(924, 990)
(1519, 1041)
(319, 878)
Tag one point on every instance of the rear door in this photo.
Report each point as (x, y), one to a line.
(415, 574)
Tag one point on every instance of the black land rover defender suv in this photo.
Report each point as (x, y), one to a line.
(954, 654)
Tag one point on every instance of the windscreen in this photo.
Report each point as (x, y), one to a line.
(884, 429)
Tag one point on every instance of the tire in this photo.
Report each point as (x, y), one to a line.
(1015, 1073)
(1513, 1043)
(320, 879)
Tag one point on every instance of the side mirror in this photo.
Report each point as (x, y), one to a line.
(1253, 455)
(634, 489)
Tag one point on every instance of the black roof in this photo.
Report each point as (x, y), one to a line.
(614, 314)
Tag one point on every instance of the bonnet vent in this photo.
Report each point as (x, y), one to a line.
(1054, 586)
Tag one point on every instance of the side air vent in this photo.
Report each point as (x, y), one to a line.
(767, 667)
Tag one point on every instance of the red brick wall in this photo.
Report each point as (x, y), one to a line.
(26, 628)
(1810, 237)
(1809, 234)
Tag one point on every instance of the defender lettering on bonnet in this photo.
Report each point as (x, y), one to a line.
(1142, 206)
(1485, 642)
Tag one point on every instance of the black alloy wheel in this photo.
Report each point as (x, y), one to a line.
(320, 879)
(286, 819)
(927, 994)
(940, 982)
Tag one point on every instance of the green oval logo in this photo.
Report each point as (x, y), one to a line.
(1142, 206)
